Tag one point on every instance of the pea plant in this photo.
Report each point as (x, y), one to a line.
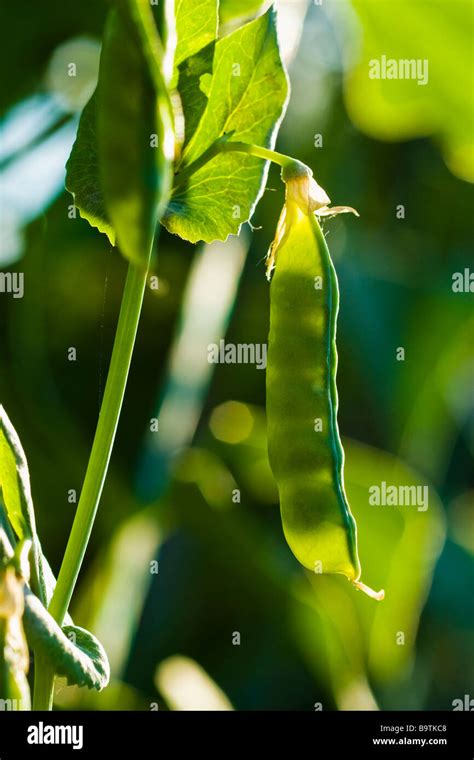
(179, 133)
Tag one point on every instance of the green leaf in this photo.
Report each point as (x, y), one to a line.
(16, 494)
(196, 30)
(72, 651)
(15, 480)
(7, 539)
(232, 9)
(205, 82)
(249, 85)
(82, 173)
(196, 27)
(247, 97)
(18, 505)
(126, 122)
(194, 74)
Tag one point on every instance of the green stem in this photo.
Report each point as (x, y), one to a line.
(103, 440)
(44, 682)
(158, 47)
(257, 150)
(97, 467)
(225, 145)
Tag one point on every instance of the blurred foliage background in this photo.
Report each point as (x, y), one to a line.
(177, 567)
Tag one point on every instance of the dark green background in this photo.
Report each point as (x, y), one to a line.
(225, 567)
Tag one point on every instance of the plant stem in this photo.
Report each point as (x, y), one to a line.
(257, 150)
(103, 440)
(44, 682)
(97, 466)
(225, 145)
(158, 48)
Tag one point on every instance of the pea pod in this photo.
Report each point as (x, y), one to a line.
(305, 450)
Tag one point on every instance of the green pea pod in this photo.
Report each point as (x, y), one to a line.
(134, 131)
(305, 450)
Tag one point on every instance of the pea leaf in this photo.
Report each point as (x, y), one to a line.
(16, 494)
(17, 510)
(15, 480)
(232, 9)
(7, 538)
(196, 31)
(249, 83)
(82, 173)
(196, 27)
(73, 652)
(193, 75)
(126, 122)
(247, 96)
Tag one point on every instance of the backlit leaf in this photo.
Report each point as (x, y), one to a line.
(82, 173)
(18, 508)
(193, 73)
(196, 26)
(246, 97)
(72, 651)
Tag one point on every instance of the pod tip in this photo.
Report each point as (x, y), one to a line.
(378, 595)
